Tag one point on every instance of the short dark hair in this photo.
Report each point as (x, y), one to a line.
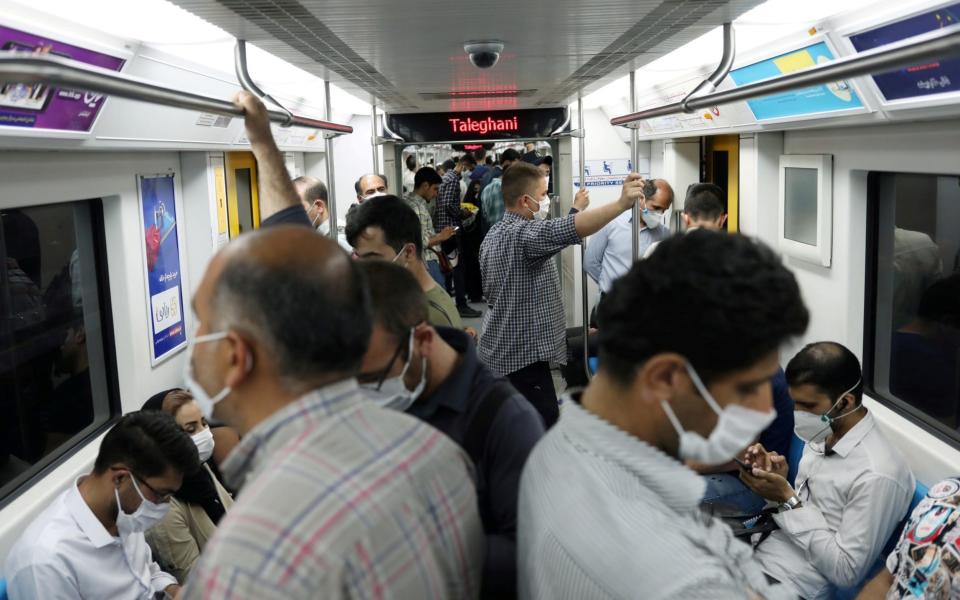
(509, 154)
(393, 216)
(148, 442)
(830, 367)
(722, 301)
(426, 175)
(479, 154)
(356, 184)
(448, 164)
(397, 300)
(313, 189)
(469, 159)
(705, 201)
(489, 160)
(312, 316)
(521, 178)
(411, 162)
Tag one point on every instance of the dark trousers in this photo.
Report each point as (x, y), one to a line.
(574, 372)
(457, 276)
(536, 384)
(471, 262)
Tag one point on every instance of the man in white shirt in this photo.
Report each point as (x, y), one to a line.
(89, 543)
(607, 507)
(705, 207)
(609, 252)
(853, 486)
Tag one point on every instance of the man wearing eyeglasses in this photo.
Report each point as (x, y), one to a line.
(434, 374)
(89, 543)
(853, 486)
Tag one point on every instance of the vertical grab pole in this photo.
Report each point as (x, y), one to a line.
(584, 292)
(373, 139)
(634, 158)
(328, 159)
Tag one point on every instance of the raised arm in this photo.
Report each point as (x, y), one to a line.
(589, 222)
(276, 189)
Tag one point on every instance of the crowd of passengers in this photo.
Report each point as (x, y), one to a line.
(341, 434)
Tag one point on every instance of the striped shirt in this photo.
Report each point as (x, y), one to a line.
(419, 206)
(524, 324)
(604, 515)
(343, 499)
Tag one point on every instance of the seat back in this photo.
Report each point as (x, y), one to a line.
(794, 454)
(3, 589)
(593, 362)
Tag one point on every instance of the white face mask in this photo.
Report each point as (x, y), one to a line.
(736, 428)
(373, 195)
(651, 218)
(146, 516)
(204, 441)
(203, 399)
(324, 228)
(813, 428)
(393, 392)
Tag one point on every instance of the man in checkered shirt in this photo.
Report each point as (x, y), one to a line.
(339, 498)
(523, 329)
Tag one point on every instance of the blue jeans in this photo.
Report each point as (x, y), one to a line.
(727, 494)
(433, 266)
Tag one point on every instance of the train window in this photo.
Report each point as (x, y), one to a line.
(57, 373)
(912, 349)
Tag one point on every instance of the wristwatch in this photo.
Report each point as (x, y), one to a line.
(792, 503)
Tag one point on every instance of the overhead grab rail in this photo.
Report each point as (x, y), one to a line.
(62, 72)
(247, 83)
(709, 85)
(584, 293)
(940, 44)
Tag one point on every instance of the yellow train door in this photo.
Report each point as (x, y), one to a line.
(723, 168)
(243, 198)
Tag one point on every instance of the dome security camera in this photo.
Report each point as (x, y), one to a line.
(483, 55)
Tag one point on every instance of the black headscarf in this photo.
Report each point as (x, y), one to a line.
(198, 487)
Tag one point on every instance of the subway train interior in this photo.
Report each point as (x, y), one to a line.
(832, 128)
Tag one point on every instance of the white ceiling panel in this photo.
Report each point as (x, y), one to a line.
(408, 55)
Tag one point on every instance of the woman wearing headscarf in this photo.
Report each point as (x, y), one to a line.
(197, 507)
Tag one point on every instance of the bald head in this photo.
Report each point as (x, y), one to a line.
(296, 294)
(663, 199)
(369, 184)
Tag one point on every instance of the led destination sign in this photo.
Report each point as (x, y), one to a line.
(419, 128)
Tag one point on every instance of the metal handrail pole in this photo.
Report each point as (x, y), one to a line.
(328, 160)
(710, 84)
(940, 44)
(584, 292)
(63, 72)
(634, 156)
(247, 83)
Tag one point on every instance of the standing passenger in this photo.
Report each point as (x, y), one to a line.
(409, 174)
(687, 352)
(705, 207)
(338, 498)
(449, 215)
(425, 189)
(313, 196)
(434, 374)
(523, 329)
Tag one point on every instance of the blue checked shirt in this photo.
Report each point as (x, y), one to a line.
(344, 499)
(448, 201)
(524, 323)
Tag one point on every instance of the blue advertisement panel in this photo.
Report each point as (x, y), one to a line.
(935, 77)
(806, 101)
(161, 246)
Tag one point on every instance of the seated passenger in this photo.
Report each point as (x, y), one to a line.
(386, 228)
(435, 375)
(705, 207)
(339, 498)
(197, 507)
(853, 486)
(89, 543)
(925, 562)
(607, 507)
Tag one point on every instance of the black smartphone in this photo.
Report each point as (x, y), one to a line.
(744, 466)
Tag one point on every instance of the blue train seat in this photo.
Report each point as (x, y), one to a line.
(794, 454)
(3, 589)
(592, 362)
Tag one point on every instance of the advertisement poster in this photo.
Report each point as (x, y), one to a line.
(927, 79)
(162, 265)
(816, 99)
(37, 105)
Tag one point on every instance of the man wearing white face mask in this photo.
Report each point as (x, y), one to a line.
(90, 543)
(853, 486)
(523, 330)
(687, 353)
(610, 252)
(313, 196)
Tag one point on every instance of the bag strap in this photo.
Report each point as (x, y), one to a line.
(475, 439)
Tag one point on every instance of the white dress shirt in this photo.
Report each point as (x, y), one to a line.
(604, 515)
(67, 553)
(610, 251)
(853, 499)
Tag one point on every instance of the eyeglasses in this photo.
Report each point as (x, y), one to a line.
(160, 498)
(381, 375)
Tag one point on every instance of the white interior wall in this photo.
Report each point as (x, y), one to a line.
(352, 158)
(835, 296)
(48, 177)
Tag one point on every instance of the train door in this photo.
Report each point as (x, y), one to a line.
(243, 199)
(721, 165)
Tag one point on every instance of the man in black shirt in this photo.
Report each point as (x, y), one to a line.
(434, 374)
